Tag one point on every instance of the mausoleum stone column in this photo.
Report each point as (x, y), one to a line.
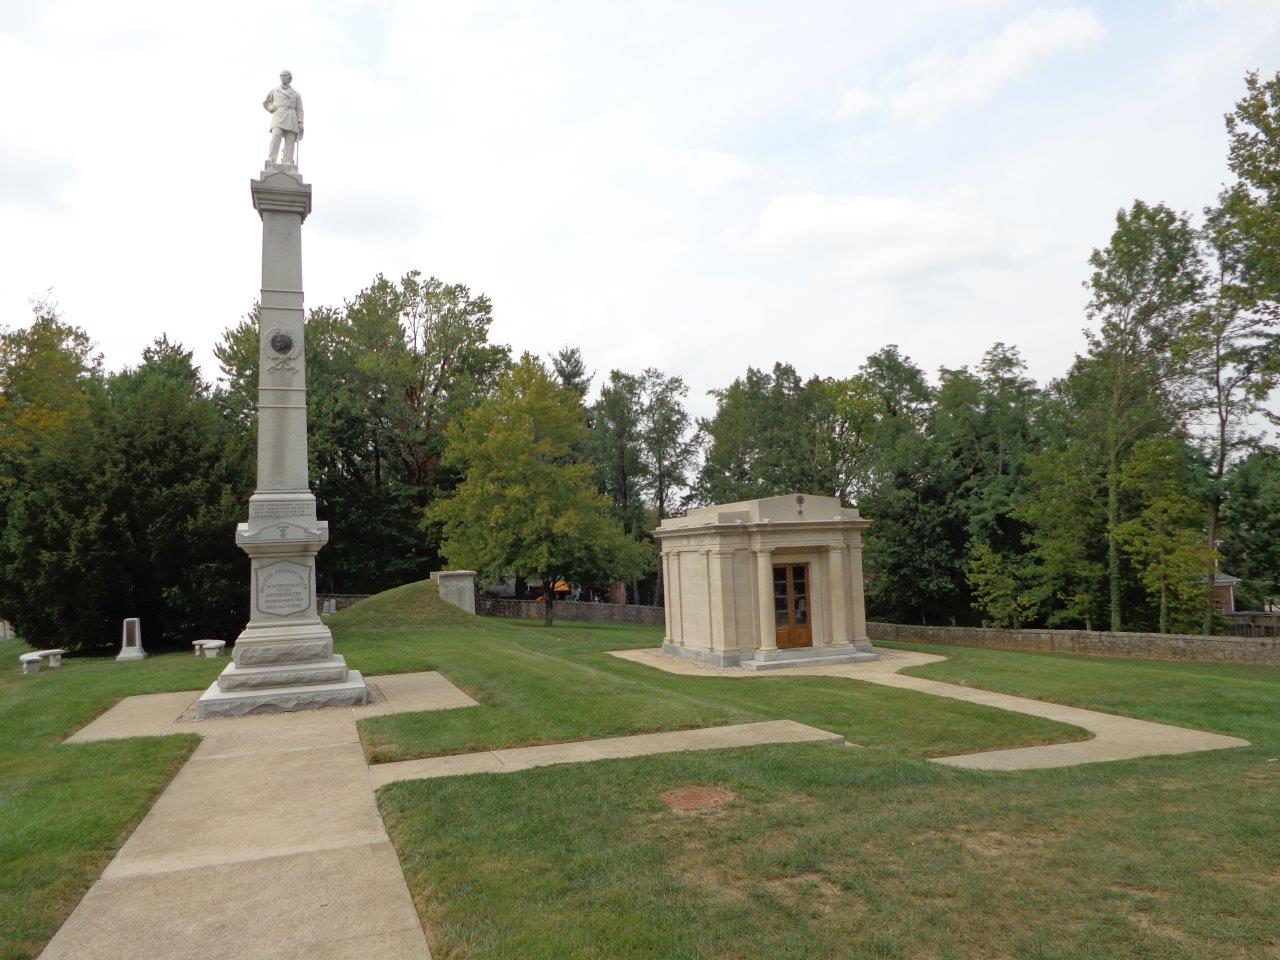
(722, 612)
(666, 597)
(764, 591)
(837, 588)
(859, 593)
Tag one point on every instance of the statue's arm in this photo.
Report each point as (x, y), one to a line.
(269, 104)
(299, 112)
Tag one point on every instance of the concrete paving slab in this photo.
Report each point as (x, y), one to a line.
(224, 809)
(525, 758)
(234, 742)
(336, 903)
(146, 716)
(1114, 737)
(160, 714)
(412, 692)
(432, 767)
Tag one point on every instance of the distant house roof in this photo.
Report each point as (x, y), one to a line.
(1225, 580)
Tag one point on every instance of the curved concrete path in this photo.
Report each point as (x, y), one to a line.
(1114, 737)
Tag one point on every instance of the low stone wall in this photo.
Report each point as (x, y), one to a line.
(1151, 646)
(572, 610)
(342, 600)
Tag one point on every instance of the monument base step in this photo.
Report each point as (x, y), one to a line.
(236, 677)
(216, 702)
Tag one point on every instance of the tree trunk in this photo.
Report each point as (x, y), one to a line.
(1113, 545)
(1213, 564)
(548, 598)
(1164, 608)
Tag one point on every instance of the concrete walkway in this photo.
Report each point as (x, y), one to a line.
(642, 745)
(1114, 737)
(267, 844)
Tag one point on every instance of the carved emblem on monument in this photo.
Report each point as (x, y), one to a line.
(282, 351)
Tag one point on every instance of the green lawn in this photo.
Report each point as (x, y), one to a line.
(824, 852)
(827, 852)
(65, 810)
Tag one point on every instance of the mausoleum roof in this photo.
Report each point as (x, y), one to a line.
(791, 509)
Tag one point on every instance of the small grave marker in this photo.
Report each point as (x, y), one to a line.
(131, 641)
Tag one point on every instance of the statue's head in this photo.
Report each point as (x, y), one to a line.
(285, 78)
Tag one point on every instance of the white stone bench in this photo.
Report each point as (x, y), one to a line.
(53, 656)
(210, 648)
(31, 662)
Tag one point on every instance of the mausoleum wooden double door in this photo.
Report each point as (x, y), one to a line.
(791, 605)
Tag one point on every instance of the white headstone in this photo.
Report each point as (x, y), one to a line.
(131, 641)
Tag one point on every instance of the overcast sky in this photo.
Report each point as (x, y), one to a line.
(696, 186)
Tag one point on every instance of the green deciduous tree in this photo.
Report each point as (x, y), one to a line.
(1166, 534)
(526, 506)
(1066, 534)
(131, 512)
(1251, 527)
(614, 446)
(1144, 285)
(772, 433)
(387, 373)
(45, 370)
(1236, 346)
(1000, 588)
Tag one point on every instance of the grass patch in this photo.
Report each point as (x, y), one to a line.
(822, 851)
(867, 853)
(839, 853)
(539, 685)
(66, 810)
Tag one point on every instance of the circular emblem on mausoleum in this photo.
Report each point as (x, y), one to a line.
(281, 343)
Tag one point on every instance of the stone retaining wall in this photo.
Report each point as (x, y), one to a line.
(572, 610)
(1151, 646)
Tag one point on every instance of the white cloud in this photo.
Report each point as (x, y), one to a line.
(939, 80)
(656, 196)
(856, 101)
(884, 238)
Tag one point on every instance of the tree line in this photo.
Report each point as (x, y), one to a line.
(1106, 498)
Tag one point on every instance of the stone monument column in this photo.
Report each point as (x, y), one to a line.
(284, 659)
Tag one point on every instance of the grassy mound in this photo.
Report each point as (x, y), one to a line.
(413, 605)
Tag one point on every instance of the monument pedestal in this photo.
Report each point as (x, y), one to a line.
(284, 659)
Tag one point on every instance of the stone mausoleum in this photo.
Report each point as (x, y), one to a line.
(765, 583)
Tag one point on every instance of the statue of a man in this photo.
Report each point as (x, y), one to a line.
(285, 106)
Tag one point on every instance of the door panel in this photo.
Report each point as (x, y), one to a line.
(791, 605)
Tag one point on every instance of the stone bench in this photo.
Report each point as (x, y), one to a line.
(31, 662)
(210, 648)
(53, 656)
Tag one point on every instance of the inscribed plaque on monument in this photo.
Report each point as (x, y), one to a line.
(279, 509)
(284, 587)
